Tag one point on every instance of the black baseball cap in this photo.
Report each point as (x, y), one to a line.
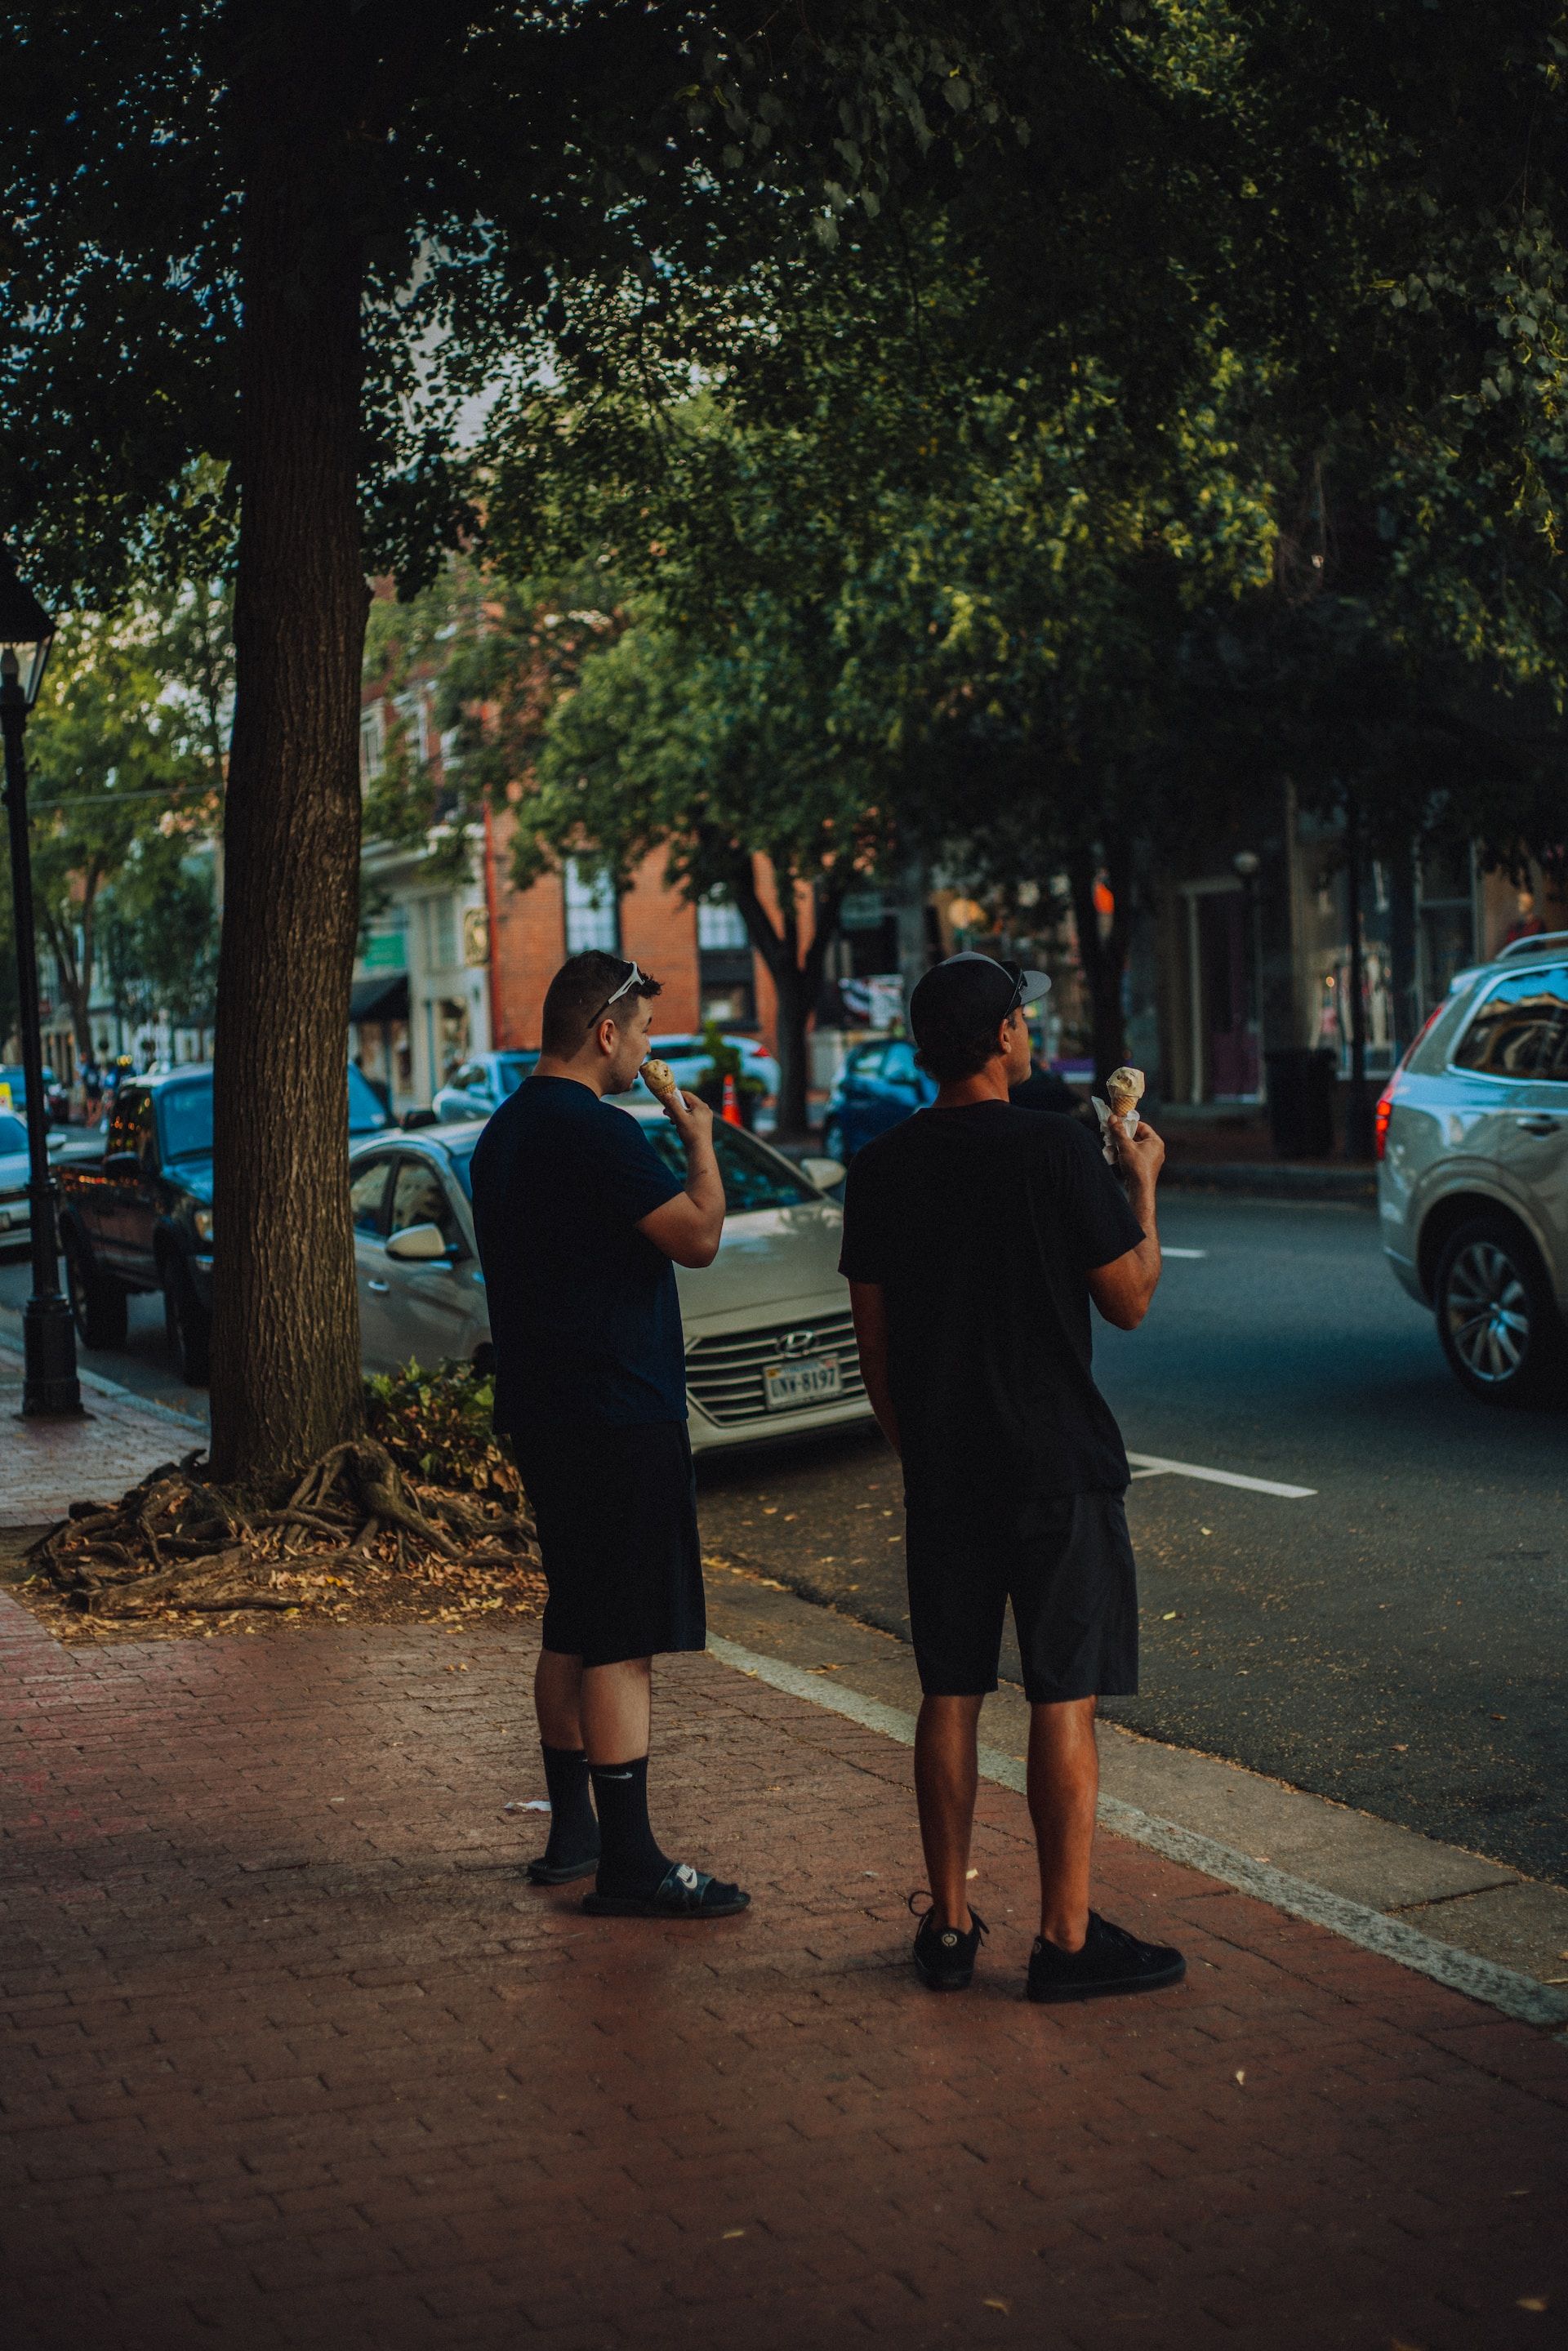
(971, 992)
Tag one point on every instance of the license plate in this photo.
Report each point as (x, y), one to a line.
(812, 1382)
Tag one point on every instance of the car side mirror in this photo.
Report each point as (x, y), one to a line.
(823, 1172)
(418, 1244)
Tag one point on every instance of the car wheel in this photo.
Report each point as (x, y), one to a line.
(98, 1306)
(1496, 1316)
(188, 1325)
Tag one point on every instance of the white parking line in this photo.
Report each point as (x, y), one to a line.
(1150, 1465)
(1166, 1250)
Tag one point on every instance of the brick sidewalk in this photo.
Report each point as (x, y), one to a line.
(48, 1465)
(289, 2056)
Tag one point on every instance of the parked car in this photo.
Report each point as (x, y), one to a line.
(688, 1057)
(1472, 1179)
(140, 1218)
(16, 1214)
(481, 1085)
(771, 1348)
(879, 1083)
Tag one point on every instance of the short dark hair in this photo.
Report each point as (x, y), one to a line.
(950, 1051)
(580, 988)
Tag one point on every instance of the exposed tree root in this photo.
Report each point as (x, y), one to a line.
(176, 1543)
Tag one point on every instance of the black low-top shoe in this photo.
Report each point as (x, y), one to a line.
(1111, 1960)
(943, 1958)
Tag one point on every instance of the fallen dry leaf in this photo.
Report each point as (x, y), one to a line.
(995, 2302)
(731, 2233)
(1241, 2077)
(1531, 2302)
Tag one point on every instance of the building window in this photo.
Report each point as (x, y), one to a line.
(410, 708)
(593, 912)
(372, 744)
(720, 923)
(441, 934)
(724, 966)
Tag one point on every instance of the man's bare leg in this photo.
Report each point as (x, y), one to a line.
(558, 1698)
(617, 1709)
(947, 1776)
(1063, 1788)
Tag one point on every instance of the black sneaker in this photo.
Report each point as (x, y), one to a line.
(1112, 1960)
(943, 1958)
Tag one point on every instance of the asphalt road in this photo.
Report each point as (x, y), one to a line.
(1394, 1639)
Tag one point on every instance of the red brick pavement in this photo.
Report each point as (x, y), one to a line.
(289, 2056)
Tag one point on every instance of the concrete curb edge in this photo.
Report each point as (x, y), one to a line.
(1512, 1994)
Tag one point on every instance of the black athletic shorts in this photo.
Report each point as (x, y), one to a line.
(616, 1511)
(1065, 1562)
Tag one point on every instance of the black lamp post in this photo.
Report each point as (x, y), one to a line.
(49, 1379)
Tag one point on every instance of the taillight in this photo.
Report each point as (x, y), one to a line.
(1380, 1118)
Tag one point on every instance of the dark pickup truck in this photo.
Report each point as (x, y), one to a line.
(140, 1218)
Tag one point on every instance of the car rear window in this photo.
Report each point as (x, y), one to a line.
(1520, 1029)
(753, 1178)
(185, 1121)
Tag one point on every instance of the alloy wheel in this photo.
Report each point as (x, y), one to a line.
(1487, 1308)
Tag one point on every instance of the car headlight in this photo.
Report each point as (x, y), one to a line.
(203, 1221)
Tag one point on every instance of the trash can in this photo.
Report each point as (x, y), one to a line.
(1300, 1100)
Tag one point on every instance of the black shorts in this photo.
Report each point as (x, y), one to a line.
(1065, 1562)
(616, 1511)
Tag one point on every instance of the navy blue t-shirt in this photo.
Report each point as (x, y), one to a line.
(584, 1312)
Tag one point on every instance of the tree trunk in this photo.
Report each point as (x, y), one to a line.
(286, 1369)
(797, 979)
(1104, 960)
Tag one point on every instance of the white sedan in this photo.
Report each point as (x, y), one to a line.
(771, 1348)
(16, 1217)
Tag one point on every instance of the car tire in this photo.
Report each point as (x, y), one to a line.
(100, 1307)
(188, 1325)
(1497, 1318)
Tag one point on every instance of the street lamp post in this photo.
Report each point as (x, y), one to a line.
(48, 1343)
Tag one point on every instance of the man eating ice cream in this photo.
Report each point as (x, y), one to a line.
(977, 1235)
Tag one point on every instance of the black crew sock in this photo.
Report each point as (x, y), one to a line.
(631, 1861)
(573, 1831)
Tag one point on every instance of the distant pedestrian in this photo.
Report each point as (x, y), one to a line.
(580, 1225)
(1526, 923)
(977, 1234)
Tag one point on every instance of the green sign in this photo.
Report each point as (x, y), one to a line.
(385, 951)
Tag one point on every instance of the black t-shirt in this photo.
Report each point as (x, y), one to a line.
(584, 1312)
(981, 1225)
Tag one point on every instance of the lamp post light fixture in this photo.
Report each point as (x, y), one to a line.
(49, 1382)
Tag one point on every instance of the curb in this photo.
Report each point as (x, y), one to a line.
(118, 1393)
(1514, 1995)
(1356, 1185)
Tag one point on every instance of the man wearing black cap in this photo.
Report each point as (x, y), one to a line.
(976, 1235)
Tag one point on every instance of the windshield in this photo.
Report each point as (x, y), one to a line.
(753, 1178)
(511, 1069)
(13, 1136)
(460, 1155)
(185, 1121)
(366, 1112)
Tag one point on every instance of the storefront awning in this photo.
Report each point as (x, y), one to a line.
(381, 996)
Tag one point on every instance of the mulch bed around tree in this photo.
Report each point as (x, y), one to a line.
(422, 1521)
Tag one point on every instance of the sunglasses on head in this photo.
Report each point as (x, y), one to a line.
(633, 979)
(1017, 971)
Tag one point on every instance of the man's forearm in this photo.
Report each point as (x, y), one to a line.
(705, 1186)
(1141, 1200)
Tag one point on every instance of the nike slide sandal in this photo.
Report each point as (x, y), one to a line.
(682, 1893)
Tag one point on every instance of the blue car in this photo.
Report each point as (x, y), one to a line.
(878, 1084)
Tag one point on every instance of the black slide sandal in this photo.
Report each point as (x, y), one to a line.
(682, 1893)
(560, 1873)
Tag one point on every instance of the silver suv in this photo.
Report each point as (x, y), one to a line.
(1472, 1184)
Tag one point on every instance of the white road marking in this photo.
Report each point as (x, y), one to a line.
(1150, 1465)
(1166, 1250)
